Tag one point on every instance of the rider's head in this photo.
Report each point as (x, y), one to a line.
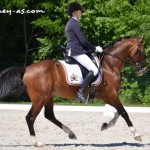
(75, 9)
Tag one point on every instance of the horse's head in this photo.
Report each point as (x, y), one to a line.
(137, 56)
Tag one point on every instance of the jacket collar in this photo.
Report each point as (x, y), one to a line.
(73, 18)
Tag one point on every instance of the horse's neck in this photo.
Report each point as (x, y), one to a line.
(117, 56)
(120, 50)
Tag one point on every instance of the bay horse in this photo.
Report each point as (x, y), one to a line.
(45, 79)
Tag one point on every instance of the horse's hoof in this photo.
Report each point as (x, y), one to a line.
(36, 143)
(138, 138)
(41, 144)
(72, 136)
(104, 126)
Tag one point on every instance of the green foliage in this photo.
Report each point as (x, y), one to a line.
(130, 92)
(44, 50)
(146, 98)
(52, 27)
(16, 4)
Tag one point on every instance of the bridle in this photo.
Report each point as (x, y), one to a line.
(138, 64)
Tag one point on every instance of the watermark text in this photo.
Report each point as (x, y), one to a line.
(21, 11)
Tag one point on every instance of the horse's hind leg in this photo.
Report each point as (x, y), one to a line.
(49, 114)
(111, 123)
(30, 118)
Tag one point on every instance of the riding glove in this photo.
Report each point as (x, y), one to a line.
(98, 49)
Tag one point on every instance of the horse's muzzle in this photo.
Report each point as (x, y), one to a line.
(142, 71)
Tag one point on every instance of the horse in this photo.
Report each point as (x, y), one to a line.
(45, 79)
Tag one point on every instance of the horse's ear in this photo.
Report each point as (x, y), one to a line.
(141, 39)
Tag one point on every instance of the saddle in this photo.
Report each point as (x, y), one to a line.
(75, 72)
(72, 61)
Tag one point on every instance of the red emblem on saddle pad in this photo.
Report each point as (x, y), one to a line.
(74, 77)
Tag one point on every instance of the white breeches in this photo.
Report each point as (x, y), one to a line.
(85, 61)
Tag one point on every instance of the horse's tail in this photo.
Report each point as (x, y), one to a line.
(11, 82)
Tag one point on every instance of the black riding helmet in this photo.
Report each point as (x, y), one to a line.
(74, 6)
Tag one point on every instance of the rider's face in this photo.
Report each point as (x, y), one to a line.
(78, 14)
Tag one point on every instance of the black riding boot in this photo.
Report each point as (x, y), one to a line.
(80, 94)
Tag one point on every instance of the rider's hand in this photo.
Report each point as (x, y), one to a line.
(98, 49)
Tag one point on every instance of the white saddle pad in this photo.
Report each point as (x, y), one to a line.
(74, 74)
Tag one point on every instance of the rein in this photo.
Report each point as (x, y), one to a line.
(117, 57)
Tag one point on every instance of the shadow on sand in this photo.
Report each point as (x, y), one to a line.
(103, 145)
(84, 145)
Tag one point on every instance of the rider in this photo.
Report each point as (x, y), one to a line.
(78, 46)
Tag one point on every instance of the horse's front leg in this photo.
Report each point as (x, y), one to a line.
(49, 114)
(125, 115)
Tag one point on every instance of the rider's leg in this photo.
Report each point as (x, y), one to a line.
(88, 79)
(85, 61)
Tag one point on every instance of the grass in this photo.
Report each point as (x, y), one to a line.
(71, 102)
(63, 102)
